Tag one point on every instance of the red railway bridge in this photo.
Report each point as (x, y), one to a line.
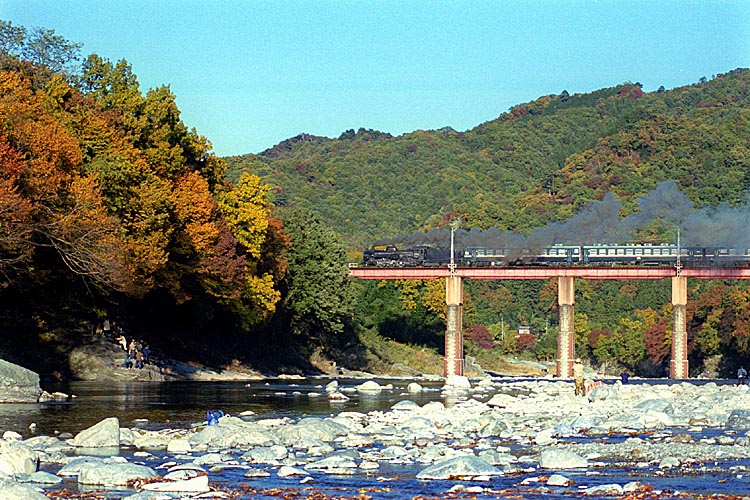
(454, 357)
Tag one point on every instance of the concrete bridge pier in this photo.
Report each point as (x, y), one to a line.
(566, 338)
(453, 363)
(678, 366)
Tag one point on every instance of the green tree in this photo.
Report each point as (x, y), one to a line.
(625, 346)
(12, 39)
(316, 293)
(505, 338)
(582, 332)
(40, 47)
(546, 346)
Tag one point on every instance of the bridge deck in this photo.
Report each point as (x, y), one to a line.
(537, 273)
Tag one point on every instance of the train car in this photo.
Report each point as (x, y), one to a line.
(665, 255)
(716, 257)
(646, 255)
(557, 255)
(561, 255)
(483, 257)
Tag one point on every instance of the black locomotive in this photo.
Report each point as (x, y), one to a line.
(558, 255)
(418, 256)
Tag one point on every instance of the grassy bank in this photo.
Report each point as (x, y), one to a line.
(387, 357)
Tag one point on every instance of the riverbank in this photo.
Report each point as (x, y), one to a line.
(520, 438)
(102, 359)
(80, 352)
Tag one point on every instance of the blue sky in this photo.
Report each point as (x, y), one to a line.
(248, 74)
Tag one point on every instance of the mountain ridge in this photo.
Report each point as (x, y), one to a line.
(539, 162)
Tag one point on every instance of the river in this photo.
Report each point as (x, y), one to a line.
(180, 404)
(156, 406)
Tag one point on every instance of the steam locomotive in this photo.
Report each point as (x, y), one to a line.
(558, 255)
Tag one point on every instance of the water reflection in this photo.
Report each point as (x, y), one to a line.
(180, 404)
(23, 413)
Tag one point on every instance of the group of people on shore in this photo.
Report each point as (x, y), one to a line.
(137, 352)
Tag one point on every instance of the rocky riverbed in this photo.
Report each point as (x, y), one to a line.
(524, 439)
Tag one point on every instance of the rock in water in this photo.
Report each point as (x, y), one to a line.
(739, 420)
(16, 458)
(604, 490)
(11, 490)
(17, 384)
(198, 484)
(337, 396)
(457, 382)
(414, 388)
(115, 474)
(561, 459)
(459, 467)
(286, 471)
(104, 434)
(661, 405)
(369, 387)
(558, 480)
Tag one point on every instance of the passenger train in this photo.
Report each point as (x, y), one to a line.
(558, 255)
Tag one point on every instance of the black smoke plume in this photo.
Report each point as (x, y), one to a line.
(600, 223)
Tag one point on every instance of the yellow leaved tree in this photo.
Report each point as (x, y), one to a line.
(247, 212)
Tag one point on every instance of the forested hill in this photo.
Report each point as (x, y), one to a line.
(541, 161)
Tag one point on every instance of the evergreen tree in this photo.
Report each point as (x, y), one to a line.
(317, 295)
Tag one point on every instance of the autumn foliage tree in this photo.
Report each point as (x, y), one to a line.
(718, 322)
(16, 223)
(481, 336)
(108, 183)
(526, 342)
(46, 202)
(658, 339)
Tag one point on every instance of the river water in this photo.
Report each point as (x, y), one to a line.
(180, 404)
(156, 406)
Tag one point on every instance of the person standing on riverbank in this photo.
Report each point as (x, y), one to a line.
(741, 376)
(123, 342)
(139, 359)
(578, 378)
